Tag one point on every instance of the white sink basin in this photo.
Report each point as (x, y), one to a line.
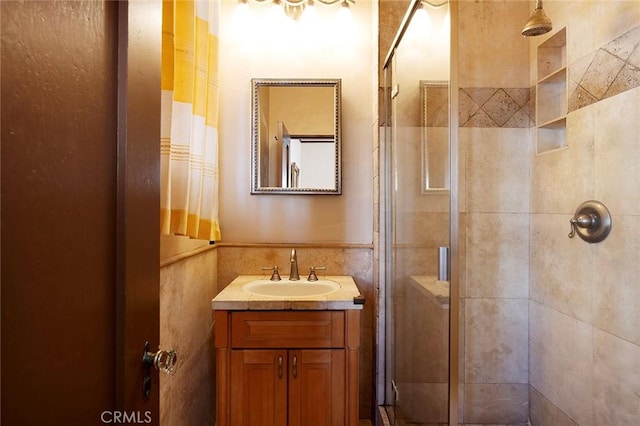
(287, 288)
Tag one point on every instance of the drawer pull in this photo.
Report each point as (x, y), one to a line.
(295, 366)
(280, 366)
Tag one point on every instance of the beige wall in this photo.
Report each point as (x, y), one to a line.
(257, 46)
(584, 345)
(547, 320)
(495, 155)
(187, 285)
(304, 110)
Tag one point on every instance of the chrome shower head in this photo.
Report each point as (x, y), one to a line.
(538, 22)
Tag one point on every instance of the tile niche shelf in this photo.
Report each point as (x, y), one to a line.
(551, 93)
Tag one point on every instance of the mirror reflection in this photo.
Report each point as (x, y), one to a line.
(296, 136)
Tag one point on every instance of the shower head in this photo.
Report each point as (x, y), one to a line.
(538, 22)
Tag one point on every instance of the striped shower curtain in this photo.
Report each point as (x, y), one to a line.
(189, 146)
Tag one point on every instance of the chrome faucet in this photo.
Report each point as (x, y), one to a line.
(294, 276)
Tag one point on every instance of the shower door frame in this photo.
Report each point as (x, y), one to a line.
(454, 215)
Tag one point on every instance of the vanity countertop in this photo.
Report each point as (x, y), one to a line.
(234, 297)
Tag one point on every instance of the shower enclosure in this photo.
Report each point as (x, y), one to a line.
(539, 326)
(420, 178)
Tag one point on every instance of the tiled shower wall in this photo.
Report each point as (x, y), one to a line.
(605, 72)
(584, 309)
(495, 153)
(548, 320)
(496, 107)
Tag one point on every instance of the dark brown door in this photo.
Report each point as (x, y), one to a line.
(80, 89)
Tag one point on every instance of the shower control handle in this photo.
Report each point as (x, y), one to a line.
(587, 221)
(591, 222)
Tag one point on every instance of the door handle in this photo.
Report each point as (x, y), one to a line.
(443, 263)
(164, 361)
(280, 366)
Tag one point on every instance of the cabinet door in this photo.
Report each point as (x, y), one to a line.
(258, 385)
(317, 386)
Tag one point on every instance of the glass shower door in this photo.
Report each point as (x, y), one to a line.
(418, 197)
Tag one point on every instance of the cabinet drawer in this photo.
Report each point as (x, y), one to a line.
(295, 329)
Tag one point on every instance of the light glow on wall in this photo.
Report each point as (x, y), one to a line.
(317, 28)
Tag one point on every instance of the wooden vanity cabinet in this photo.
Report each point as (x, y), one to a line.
(279, 368)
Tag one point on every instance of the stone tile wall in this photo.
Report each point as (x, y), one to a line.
(496, 107)
(605, 72)
(584, 346)
(494, 280)
(495, 148)
(549, 324)
(583, 298)
(187, 286)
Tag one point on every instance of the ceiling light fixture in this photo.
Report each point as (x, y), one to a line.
(294, 8)
(433, 3)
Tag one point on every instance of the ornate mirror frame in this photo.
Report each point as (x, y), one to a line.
(434, 96)
(258, 157)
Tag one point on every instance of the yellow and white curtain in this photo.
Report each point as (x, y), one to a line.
(189, 146)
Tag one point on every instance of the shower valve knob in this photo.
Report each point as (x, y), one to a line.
(591, 222)
(586, 221)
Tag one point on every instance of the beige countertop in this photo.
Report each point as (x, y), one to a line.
(234, 297)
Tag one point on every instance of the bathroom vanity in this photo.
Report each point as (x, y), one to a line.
(286, 359)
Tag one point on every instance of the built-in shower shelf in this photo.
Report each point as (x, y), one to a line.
(552, 135)
(558, 76)
(552, 54)
(551, 93)
(554, 124)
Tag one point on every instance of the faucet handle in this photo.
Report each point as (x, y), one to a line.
(312, 272)
(275, 275)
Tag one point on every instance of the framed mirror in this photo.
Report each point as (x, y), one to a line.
(434, 97)
(296, 136)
